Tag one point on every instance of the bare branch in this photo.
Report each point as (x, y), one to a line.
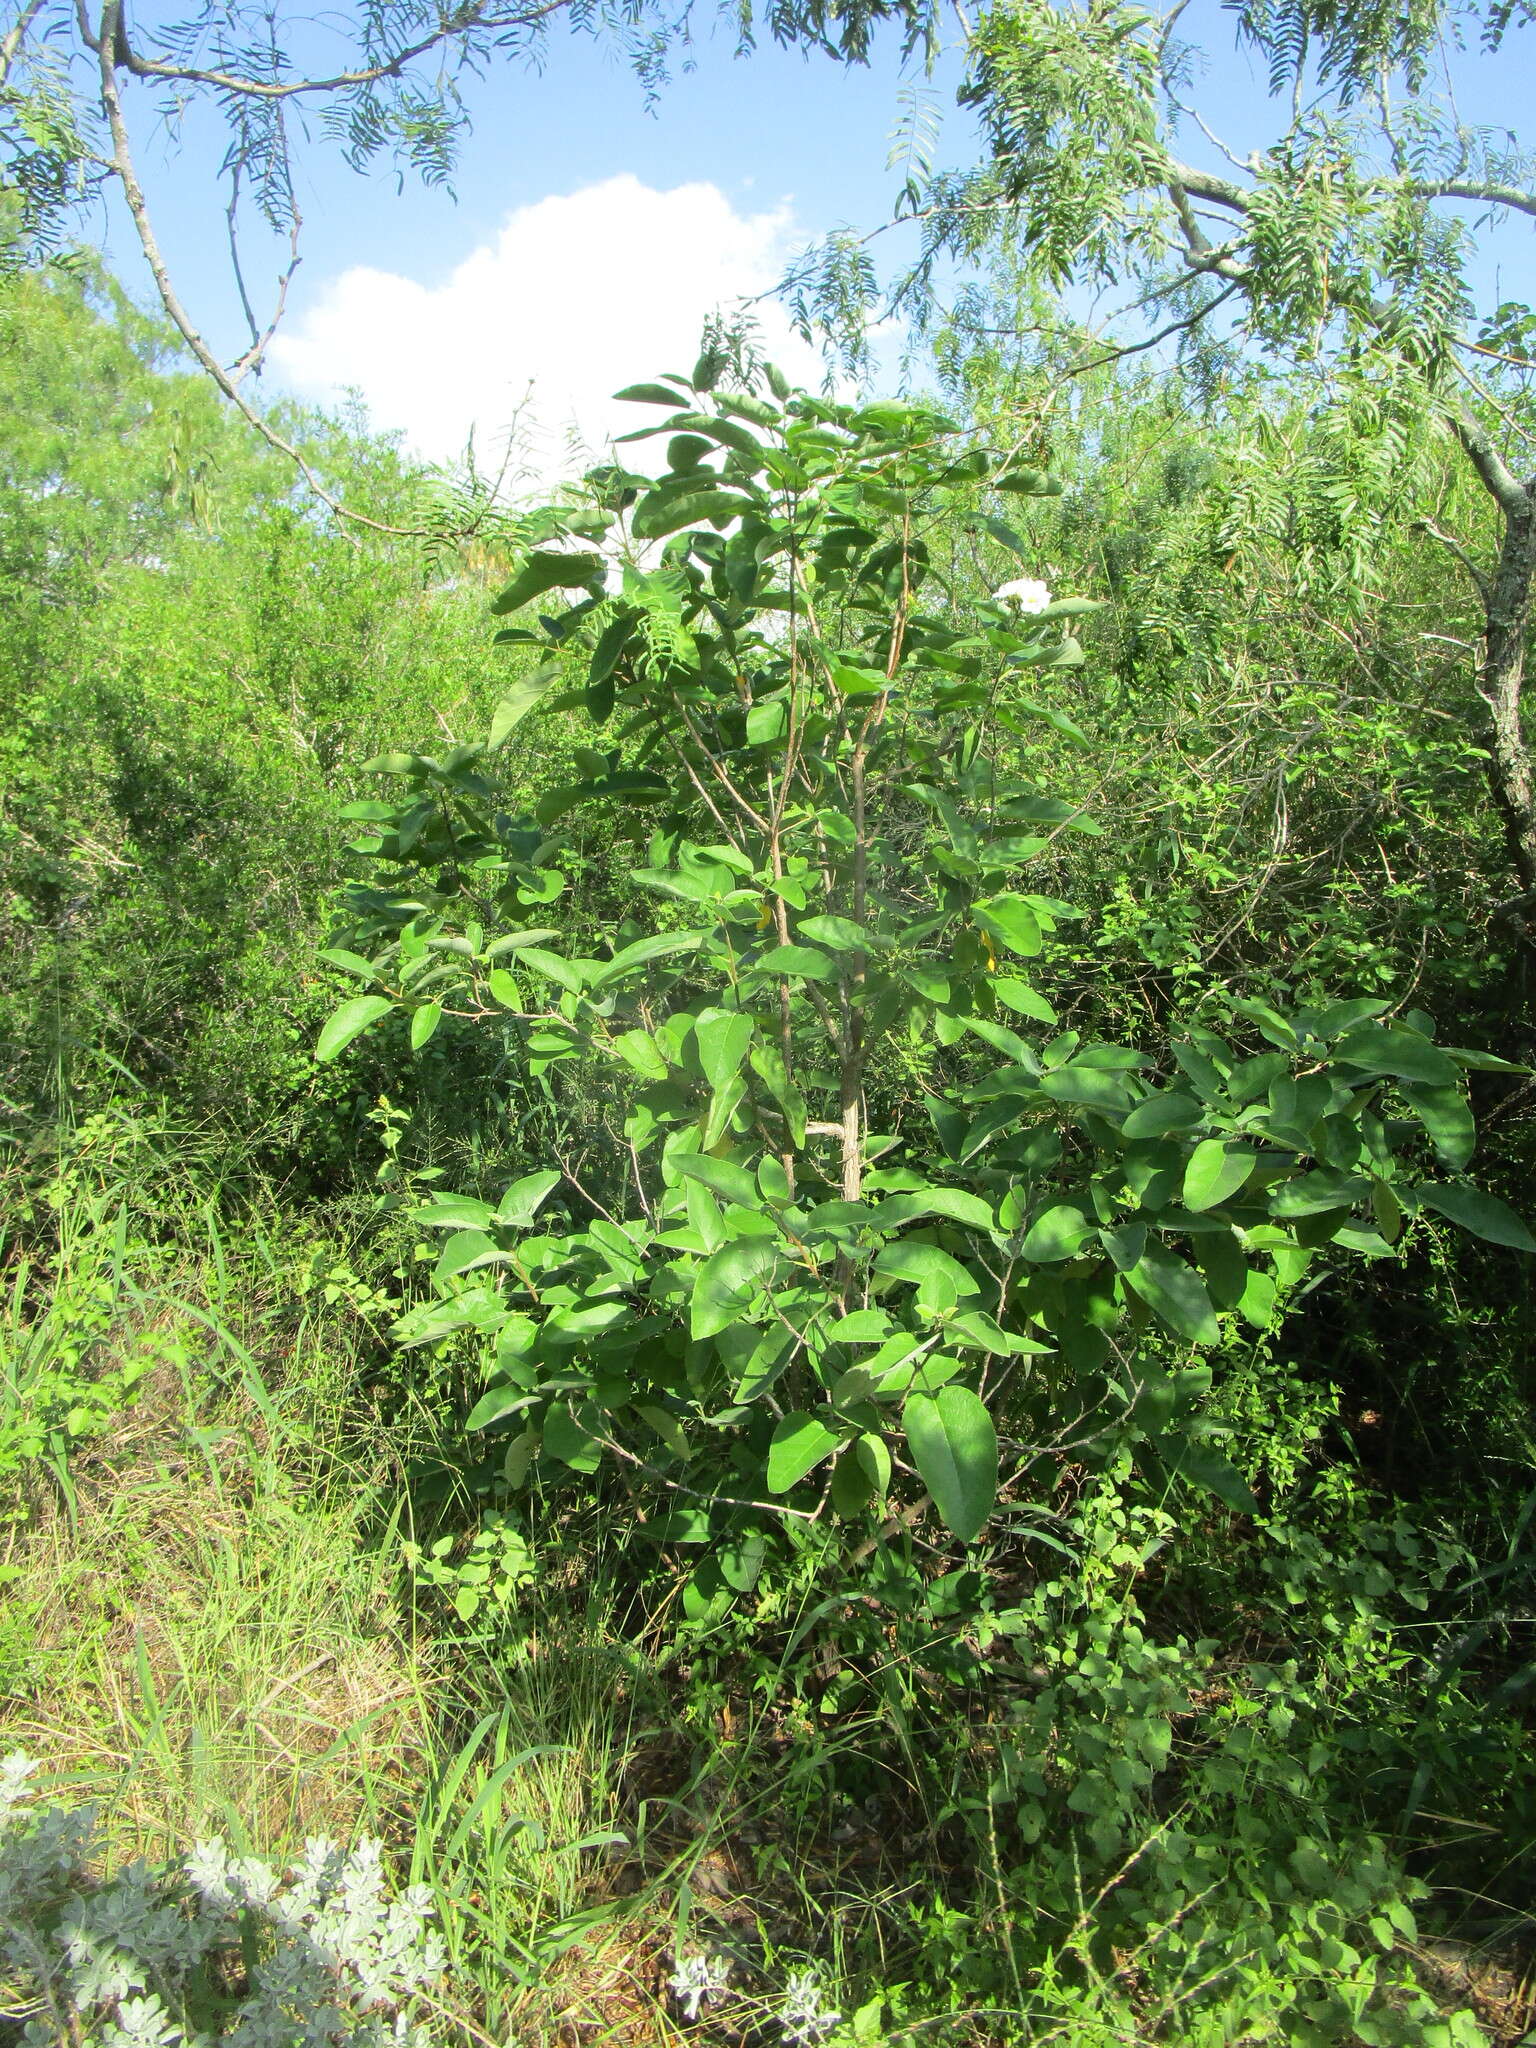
(16, 35)
(1454, 546)
(1474, 189)
(123, 167)
(457, 26)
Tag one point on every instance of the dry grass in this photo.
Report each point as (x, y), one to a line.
(204, 1651)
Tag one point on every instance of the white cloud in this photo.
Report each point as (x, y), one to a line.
(578, 295)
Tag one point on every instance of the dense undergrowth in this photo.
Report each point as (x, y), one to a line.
(1137, 1766)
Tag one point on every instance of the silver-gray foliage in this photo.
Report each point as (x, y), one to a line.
(210, 1947)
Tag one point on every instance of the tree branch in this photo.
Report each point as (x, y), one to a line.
(122, 165)
(1472, 188)
(464, 22)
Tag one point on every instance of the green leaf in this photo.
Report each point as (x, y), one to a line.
(570, 1441)
(524, 1198)
(726, 1283)
(872, 1454)
(722, 1038)
(925, 1265)
(350, 963)
(1059, 1232)
(954, 1447)
(1405, 1055)
(496, 1406)
(722, 1177)
(661, 513)
(1215, 1172)
(1081, 1082)
(455, 1212)
(1447, 1117)
(954, 1203)
(423, 1023)
(798, 1445)
(659, 946)
(566, 972)
(1170, 1110)
(651, 394)
(1176, 1295)
(768, 721)
(840, 933)
(516, 704)
(1010, 920)
(801, 960)
(343, 1025)
(1022, 999)
(545, 572)
(1212, 1469)
(1485, 1216)
(768, 1065)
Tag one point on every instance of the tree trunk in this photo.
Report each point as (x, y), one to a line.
(1508, 610)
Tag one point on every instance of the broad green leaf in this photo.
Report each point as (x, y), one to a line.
(722, 1038)
(954, 1446)
(545, 572)
(524, 1198)
(795, 960)
(516, 703)
(723, 1105)
(512, 942)
(423, 1023)
(1022, 999)
(722, 1177)
(1256, 1303)
(1405, 1055)
(1447, 1117)
(768, 1065)
(1083, 1083)
(567, 972)
(343, 1025)
(726, 1283)
(854, 681)
(652, 394)
(1176, 1295)
(1059, 1232)
(455, 1212)
(666, 1426)
(1213, 1470)
(872, 1454)
(496, 1405)
(569, 1440)
(1215, 1172)
(465, 1250)
(1484, 1215)
(641, 1054)
(954, 1203)
(350, 963)
(659, 514)
(659, 946)
(840, 933)
(925, 1264)
(1170, 1110)
(799, 1443)
(767, 721)
(740, 1559)
(1010, 920)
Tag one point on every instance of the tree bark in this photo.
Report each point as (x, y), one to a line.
(1502, 678)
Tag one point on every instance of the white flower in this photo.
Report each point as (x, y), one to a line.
(697, 1979)
(803, 2019)
(1026, 594)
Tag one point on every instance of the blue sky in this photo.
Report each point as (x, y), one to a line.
(591, 234)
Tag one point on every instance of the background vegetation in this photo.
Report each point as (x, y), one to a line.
(1139, 1766)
